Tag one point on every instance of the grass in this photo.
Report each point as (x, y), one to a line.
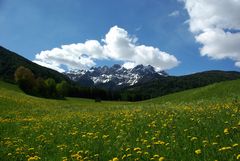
(198, 124)
(216, 92)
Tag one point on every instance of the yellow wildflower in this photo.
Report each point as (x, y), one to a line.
(198, 151)
(124, 156)
(34, 158)
(226, 131)
(105, 136)
(161, 158)
(234, 145)
(224, 148)
(214, 143)
(64, 158)
(238, 156)
(129, 155)
(193, 138)
(137, 149)
(115, 159)
(156, 156)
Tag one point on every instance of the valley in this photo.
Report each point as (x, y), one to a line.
(120, 80)
(166, 128)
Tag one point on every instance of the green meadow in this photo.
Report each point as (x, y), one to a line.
(198, 124)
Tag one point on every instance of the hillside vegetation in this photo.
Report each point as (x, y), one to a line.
(201, 124)
(171, 84)
(149, 87)
(10, 61)
(217, 92)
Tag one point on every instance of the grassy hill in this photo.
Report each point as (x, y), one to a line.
(16, 99)
(223, 91)
(10, 61)
(171, 84)
(201, 124)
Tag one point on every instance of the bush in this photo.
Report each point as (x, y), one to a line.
(39, 87)
(25, 79)
(62, 88)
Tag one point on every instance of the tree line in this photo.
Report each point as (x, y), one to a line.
(49, 88)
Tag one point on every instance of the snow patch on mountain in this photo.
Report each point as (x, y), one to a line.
(117, 74)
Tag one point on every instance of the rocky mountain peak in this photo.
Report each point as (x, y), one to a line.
(116, 75)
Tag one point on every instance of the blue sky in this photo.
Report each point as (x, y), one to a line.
(29, 27)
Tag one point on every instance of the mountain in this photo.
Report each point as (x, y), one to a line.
(115, 77)
(143, 82)
(170, 84)
(222, 91)
(10, 61)
(138, 83)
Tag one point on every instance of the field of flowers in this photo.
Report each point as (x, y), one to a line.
(39, 129)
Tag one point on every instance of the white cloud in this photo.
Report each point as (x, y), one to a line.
(129, 65)
(237, 64)
(52, 66)
(174, 13)
(219, 44)
(216, 25)
(117, 45)
(73, 56)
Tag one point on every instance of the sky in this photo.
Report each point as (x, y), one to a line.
(178, 36)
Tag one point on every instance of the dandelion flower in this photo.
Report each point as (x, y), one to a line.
(224, 148)
(115, 159)
(238, 156)
(198, 151)
(226, 131)
(124, 156)
(234, 145)
(34, 158)
(193, 138)
(137, 149)
(129, 155)
(156, 156)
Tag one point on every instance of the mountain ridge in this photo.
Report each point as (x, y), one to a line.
(10, 61)
(116, 75)
(141, 83)
(172, 84)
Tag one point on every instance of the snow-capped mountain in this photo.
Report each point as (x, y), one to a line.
(115, 76)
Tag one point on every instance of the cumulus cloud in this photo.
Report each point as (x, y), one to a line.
(129, 65)
(219, 44)
(237, 64)
(216, 25)
(117, 45)
(48, 65)
(174, 13)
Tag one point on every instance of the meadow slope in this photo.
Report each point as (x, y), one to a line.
(198, 124)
